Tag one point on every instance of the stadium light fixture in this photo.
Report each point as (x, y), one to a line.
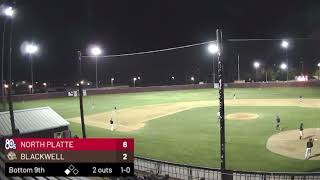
(6, 86)
(213, 48)
(96, 51)
(285, 44)
(283, 66)
(31, 48)
(8, 11)
(256, 65)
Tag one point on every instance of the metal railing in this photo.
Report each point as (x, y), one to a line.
(187, 172)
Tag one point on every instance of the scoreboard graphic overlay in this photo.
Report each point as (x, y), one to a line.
(69, 157)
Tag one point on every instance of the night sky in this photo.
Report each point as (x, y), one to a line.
(61, 27)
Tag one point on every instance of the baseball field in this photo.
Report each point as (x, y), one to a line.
(181, 126)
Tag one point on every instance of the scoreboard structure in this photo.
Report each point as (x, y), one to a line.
(69, 157)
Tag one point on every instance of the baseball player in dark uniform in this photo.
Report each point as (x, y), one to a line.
(278, 123)
(309, 148)
(111, 125)
(301, 130)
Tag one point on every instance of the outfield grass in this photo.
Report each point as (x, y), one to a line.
(192, 136)
(68, 107)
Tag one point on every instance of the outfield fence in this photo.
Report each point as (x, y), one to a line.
(182, 171)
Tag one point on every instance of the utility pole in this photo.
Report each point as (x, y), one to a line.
(83, 126)
(221, 102)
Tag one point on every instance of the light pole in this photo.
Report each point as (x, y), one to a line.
(319, 71)
(256, 66)
(284, 66)
(31, 49)
(112, 79)
(134, 81)
(285, 45)
(30, 88)
(213, 49)
(8, 12)
(96, 51)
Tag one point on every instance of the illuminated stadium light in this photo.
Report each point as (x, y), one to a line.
(172, 77)
(192, 78)
(256, 65)
(31, 48)
(112, 79)
(285, 44)
(30, 86)
(283, 66)
(8, 11)
(139, 77)
(213, 48)
(6, 86)
(44, 84)
(96, 51)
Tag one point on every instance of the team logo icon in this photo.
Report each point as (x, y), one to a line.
(11, 156)
(10, 144)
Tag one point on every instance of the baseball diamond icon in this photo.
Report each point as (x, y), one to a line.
(71, 169)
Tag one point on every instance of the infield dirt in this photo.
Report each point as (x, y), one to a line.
(134, 118)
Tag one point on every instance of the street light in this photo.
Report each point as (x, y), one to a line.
(192, 78)
(6, 86)
(112, 79)
(96, 51)
(285, 45)
(172, 77)
(30, 88)
(213, 49)
(31, 49)
(134, 81)
(8, 12)
(44, 84)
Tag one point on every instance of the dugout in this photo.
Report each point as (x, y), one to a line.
(41, 122)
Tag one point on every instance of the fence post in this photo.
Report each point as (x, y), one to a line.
(189, 173)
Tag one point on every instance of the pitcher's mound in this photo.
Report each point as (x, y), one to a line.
(242, 116)
(287, 143)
